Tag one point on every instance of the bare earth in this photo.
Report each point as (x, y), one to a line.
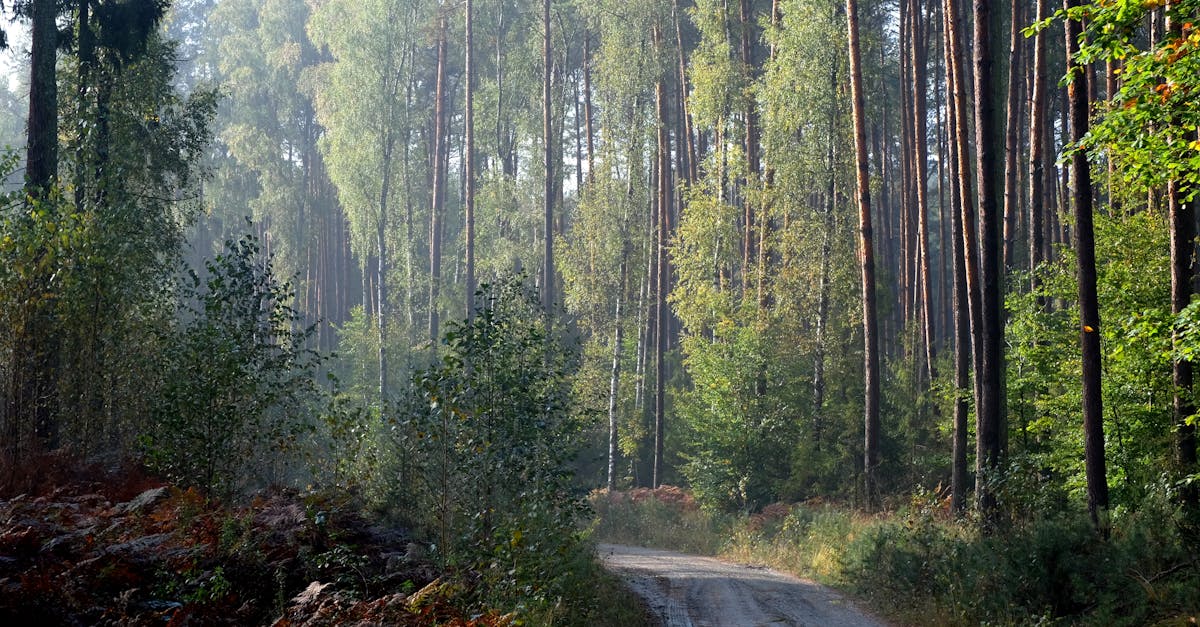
(690, 591)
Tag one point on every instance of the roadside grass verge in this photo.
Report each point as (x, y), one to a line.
(916, 565)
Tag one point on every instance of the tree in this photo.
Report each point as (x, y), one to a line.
(866, 260)
(36, 351)
(548, 164)
(662, 312)
(989, 126)
(469, 150)
(42, 150)
(961, 297)
(440, 150)
(967, 229)
(268, 163)
(1085, 249)
(1037, 131)
(358, 102)
(237, 380)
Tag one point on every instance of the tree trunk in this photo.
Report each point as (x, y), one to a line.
(469, 132)
(919, 60)
(1089, 309)
(615, 379)
(867, 259)
(1183, 233)
(664, 235)
(963, 241)
(439, 183)
(1012, 193)
(749, 251)
(989, 166)
(689, 141)
(548, 155)
(1182, 218)
(825, 279)
(587, 104)
(1038, 112)
(381, 268)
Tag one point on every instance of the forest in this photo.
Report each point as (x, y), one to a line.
(424, 298)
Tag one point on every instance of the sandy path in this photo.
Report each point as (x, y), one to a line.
(690, 591)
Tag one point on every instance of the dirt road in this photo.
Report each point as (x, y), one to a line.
(690, 591)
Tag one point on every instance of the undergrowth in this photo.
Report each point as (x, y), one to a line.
(918, 565)
(663, 518)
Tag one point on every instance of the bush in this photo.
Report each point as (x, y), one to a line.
(236, 376)
(1056, 567)
(476, 455)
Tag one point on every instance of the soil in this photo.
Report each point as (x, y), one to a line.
(691, 591)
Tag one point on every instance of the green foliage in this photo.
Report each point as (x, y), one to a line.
(1052, 569)
(477, 454)
(130, 174)
(1136, 329)
(1150, 124)
(237, 378)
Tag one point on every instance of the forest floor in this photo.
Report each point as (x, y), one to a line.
(687, 590)
(124, 549)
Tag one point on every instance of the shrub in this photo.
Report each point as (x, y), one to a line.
(477, 452)
(236, 375)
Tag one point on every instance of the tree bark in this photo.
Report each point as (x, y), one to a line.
(1182, 222)
(664, 234)
(989, 404)
(968, 318)
(439, 183)
(548, 155)
(825, 279)
(751, 142)
(469, 132)
(867, 259)
(919, 61)
(1038, 112)
(689, 138)
(1085, 249)
(587, 104)
(1012, 194)
(615, 378)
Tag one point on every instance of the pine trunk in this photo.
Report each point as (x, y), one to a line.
(439, 184)
(867, 259)
(1089, 309)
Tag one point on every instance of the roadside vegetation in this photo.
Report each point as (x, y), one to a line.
(916, 565)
